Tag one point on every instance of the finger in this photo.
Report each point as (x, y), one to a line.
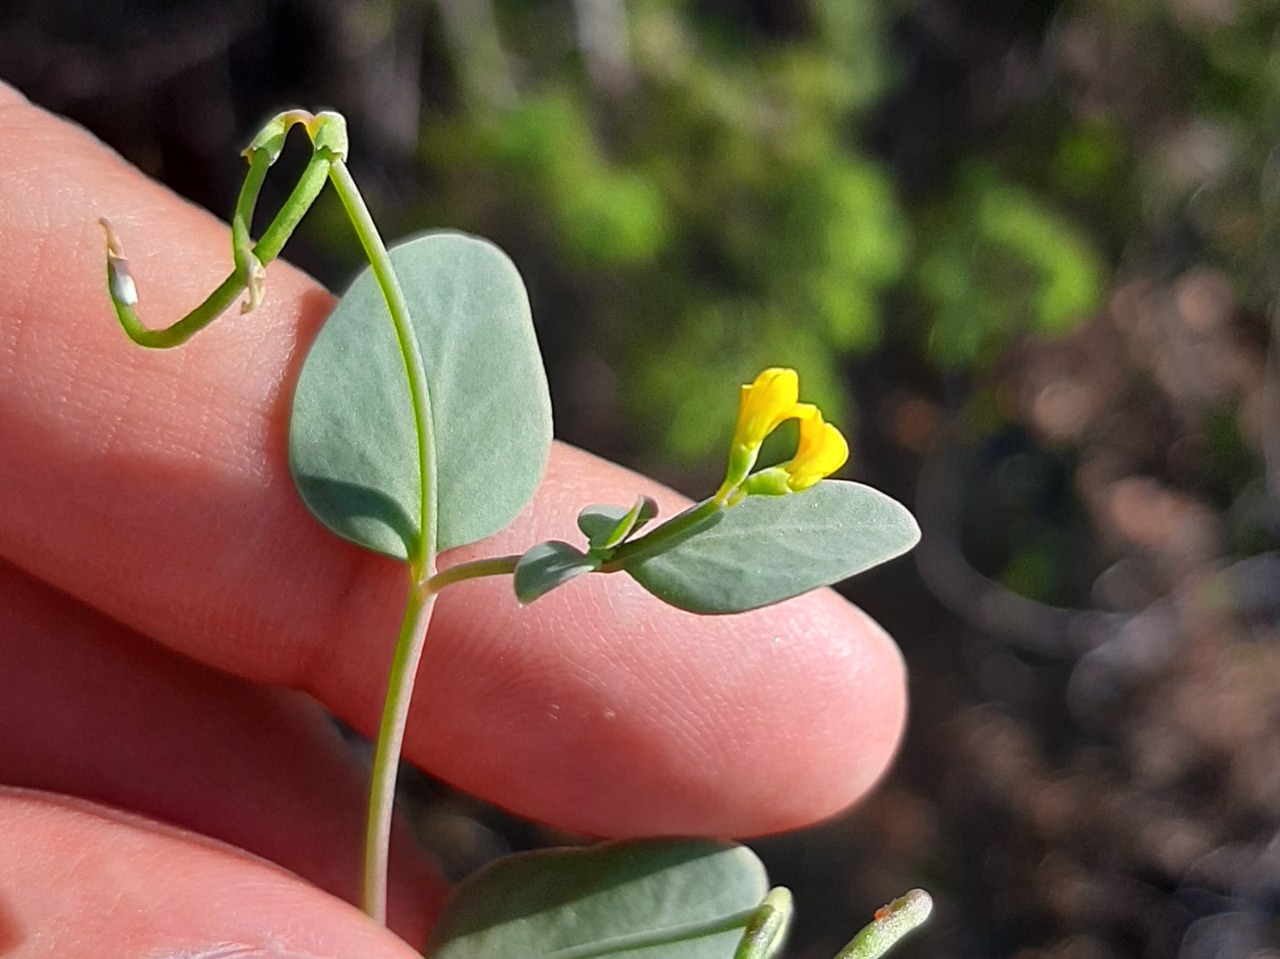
(82, 880)
(601, 703)
(91, 710)
(155, 486)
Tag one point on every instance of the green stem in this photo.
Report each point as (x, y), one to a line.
(295, 207)
(679, 527)
(891, 923)
(395, 711)
(410, 643)
(767, 930)
(217, 302)
(242, 218)
(422, 562)
(494, 566)
(329, 147)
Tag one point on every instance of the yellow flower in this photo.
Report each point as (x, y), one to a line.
(821, 451)
(764, 404)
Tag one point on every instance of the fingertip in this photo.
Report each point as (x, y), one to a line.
(10, 97)
(866, 694)
(812, 708)
(601, 710)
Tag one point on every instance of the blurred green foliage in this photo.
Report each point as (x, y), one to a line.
(998, 262)
(602, 215)
(706, 192)
(714, 205)
(718, 212)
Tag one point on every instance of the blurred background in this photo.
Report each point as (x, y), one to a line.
(1024, 250)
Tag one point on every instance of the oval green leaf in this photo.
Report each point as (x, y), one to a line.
(544, 567)
(652, 899)
(351, 439)
(770, 548)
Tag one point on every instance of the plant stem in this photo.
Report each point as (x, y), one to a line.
(493, 566)
(295, 207)
(404, 668)
(266, 249)
(329, 142)
(678, 528)
(395, 711)
(422, 561)
(767, 930)
(891, 923)
(242, 218)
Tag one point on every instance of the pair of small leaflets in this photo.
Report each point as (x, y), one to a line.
(764, 537)
(544, 567)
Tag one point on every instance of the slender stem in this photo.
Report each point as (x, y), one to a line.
(493, 566)
(395, 711)
(422, 562)
(767, 930)
(674, 530)
(891, 923)
(242, 218)
(185, 328)
(329, 143)
(295, 207)
(266, 250)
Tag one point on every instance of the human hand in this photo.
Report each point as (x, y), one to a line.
(170, 613)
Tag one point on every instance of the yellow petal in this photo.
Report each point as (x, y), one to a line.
(765, 403)
(822, 450)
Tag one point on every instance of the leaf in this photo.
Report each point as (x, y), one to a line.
(644, 899)
(544, 567)
(770, 548)
(351, 439)
(607, 526)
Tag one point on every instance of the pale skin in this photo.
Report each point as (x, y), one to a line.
(171, 619)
